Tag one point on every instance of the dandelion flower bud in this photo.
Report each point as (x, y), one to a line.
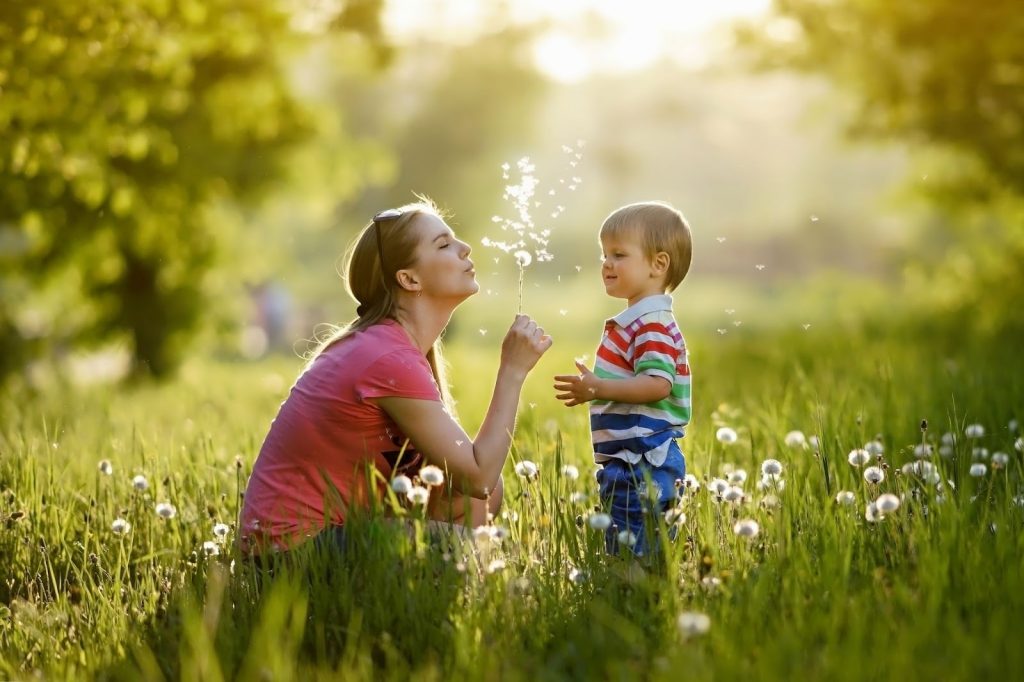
(527, 469)
(401, 485)
(746, 528)
(845, 498)
(887, 503)
(418, 495)
(692, 624)
(432, 475)
(874, 475)
(974, 431)
(600, 521)
(858, 457)
(166, 510)
(978, 470)
(795, 439)
(726, 435)
(771, 467)
(121, 527)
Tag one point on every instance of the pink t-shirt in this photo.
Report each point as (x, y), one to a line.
(326, 433)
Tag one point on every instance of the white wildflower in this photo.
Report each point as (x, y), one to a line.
(746, 528)
(401, 485)
(795, 439)
(432, 475)
(978, 470)
(887, 503)
(166, 510)
(140, 483)
(726, 435)
(858, 457)
(874, 475)
(771, 467)
(121, 527)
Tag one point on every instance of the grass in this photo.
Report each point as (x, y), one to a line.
(934, 591)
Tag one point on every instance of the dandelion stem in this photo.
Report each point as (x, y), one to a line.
(522, 272)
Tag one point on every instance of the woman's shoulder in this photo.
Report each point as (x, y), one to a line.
(367, 346)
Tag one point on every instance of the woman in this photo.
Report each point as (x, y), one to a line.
(374, 395)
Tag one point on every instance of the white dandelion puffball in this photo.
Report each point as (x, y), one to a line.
(1013, 426)
(527, 469)
(140, 483)
(570, 472)
(121, 527)
(874, 475)
(795, 439)
(871, 514)
(578, 498)
(211, 548)
(1019, 445)
(734, 494)
(627, 538)
(887, 503)
(770, 502)
(220, 530)
(769, 482)
(979, 453)
(746, 528)
(923, 450)
(692, 483)
(974, 431)
(484, 535)
(523, 258)
(401, 485)
(600, 521)
(166, 510)
(874, 448)
(949, 439)
(845, 498)
(1000, 460)
(675, 515)
(946, 451)
(737, 477)
(858, 457)
(718, 486)
(418, 494)
(432, 475)
(692, 624)
(978, 470)
(771, 467)
(814, 442)
(105, 467)
(726, 435)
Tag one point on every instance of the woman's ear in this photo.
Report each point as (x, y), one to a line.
(408, 280)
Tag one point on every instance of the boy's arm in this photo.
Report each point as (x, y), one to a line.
(576, 389)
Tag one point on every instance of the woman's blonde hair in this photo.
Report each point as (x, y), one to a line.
(374, 288)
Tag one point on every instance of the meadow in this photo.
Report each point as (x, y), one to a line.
(97, 584)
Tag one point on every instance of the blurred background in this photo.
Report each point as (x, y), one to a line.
(180, 178)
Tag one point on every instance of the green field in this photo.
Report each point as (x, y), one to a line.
(933, 591)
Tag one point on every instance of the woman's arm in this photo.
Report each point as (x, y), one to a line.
(474, 465)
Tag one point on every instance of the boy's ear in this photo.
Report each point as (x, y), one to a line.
(660, 262)
(407, 280)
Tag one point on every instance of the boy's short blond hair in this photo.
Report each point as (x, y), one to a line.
(661, 228)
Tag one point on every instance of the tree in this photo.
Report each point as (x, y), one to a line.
(124, 122)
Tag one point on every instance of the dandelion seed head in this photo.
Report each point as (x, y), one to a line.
(121, 527)
(527, 469)
(746, 528)
(600, 521)
(140, 483)
(1000, 460)
(795, 439)
(974, 431)
(887, 503)
(220, 530)
(733, 494)
(872, 514)
(693, 624)
(106, 467)
(418, 495)
(718, 486)
(978, 470)
(737, 476)
(691, 482)
(979, 453)
(858, 457)
(211, 548)
(874, 448)
(570, 472)
(627, 538)
(874, 475)
(771, 467)
(432, 475)
(726, 435)
(166, 510)
(401, 485)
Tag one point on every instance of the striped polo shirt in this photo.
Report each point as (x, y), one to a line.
(643, 339)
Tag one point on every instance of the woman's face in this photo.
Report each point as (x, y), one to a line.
(443, 267)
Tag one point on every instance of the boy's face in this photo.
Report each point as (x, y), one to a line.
(626, 270)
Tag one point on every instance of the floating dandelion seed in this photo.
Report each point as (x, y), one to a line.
(401, 485)
(220, 530)
(746, 528)
(627, 538)
(845, 498)
(795, 439)
(106, 467)
(483, 332)
(974, 431)
(418, 495)
(874, 448)
(211, 548)
(887, 503)
(771, 467)
(121, 527)
(140, 483)
(806, 326)
(720, 239)
(726, 435)
(166, 510)
(759, 266)
(858, 457)
(814, 218)
(874, 475)
(527, 469)
(730, 311)
(600, 521)
(570, 472)
(722, 331)
(432, 475)
(563, 312)
(978, 470)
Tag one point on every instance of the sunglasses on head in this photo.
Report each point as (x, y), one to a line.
(385, 215)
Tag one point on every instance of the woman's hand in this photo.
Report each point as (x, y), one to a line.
(576, 389)
(523, 345)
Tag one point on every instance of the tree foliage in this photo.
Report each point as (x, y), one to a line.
(124, 121)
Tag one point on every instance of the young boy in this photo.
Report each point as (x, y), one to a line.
(640, 387)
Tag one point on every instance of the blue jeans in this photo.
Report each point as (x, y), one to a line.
(636, 494)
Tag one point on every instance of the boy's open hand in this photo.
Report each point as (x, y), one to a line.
(576, 389)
